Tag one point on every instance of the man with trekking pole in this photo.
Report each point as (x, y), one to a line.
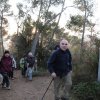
(60, 67)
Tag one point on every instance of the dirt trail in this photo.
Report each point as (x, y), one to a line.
(21, 89)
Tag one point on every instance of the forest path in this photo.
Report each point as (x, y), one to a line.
(22, 89)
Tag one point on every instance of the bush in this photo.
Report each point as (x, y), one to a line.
(86, 91)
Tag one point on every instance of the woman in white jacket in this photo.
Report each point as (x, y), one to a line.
(13, 68)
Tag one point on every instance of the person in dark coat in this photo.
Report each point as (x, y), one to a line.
(60, 67)
(5, 69)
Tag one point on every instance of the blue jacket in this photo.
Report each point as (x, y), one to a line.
(60, 62)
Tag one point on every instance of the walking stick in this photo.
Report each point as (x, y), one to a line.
(47, 88)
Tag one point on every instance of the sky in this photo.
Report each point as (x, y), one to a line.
(65, 16)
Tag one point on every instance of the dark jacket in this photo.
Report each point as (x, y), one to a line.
(60, 62)
(30, 61)
(6, 64)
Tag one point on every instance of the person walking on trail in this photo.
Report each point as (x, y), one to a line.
(5, 69)
(30, 65)
(60, 67)
(13, 67)
(22, 66)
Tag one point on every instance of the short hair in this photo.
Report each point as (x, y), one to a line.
(6, 51)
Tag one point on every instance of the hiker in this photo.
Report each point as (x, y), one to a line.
(60, 67)
(5, 69)
(22, 66)
(30, 65)
(56, 47)
(13, 67)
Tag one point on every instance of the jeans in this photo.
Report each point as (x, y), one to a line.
(5, 80)
(29, 73)
(11, 74)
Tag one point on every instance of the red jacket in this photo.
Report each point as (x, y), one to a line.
(6, 64)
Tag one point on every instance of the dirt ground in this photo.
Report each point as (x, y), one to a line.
(21, 89)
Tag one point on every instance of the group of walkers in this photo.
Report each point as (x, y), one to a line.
(59, 65)
(8, 65)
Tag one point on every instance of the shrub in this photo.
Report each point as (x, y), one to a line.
(86, 91)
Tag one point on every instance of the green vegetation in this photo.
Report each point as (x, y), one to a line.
(86, 91)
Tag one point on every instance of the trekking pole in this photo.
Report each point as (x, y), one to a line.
(47, 88)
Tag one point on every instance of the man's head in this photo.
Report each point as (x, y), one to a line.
(30, 54)
(64, 44)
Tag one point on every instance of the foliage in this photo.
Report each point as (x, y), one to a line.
(86, 91)
(86, 70)
(45, 46)
(4, 8)
(4, 5)
(75, 23)
(85, 4)
(22, 42)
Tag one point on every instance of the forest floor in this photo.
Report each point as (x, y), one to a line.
(22, 89)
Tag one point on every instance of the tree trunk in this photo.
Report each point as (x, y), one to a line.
(82, 41)
(35, 41)
(1, 35)
(54, 31)
(41, 39)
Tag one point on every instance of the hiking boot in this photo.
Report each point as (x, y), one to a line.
(3, 86)
(8, 88)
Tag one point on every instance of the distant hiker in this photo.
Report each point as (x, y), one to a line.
(22, 66)
(30, 60)
(13, 67)
(60, 67)
(5, 69)
(56, 47)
